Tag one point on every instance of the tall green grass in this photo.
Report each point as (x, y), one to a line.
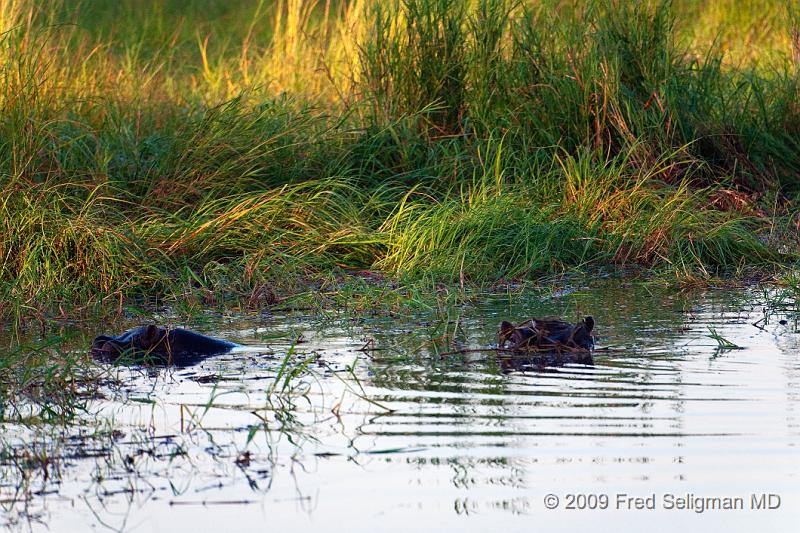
(150, 147)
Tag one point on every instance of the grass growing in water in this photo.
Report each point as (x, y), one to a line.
(722, 342)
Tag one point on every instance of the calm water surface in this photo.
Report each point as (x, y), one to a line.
(397, 437)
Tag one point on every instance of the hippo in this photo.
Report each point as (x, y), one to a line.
(156, 345)
(550, 339)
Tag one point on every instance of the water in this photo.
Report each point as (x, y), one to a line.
(397, 437)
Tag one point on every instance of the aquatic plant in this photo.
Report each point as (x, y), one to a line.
(722, 342)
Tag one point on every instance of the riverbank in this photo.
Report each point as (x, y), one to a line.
(158, 158)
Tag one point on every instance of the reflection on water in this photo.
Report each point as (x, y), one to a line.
(398, 436)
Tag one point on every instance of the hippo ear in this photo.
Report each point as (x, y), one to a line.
(589, 321)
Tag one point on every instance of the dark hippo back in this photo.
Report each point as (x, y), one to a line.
(160, 346)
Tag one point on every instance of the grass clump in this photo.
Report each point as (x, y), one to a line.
(599, 215)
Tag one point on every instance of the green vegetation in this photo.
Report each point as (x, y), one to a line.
(723, 344)
(195, 149)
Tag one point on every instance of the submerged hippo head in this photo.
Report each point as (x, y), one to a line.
(154, 344)
(547, 333)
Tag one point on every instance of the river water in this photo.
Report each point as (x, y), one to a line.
(395, 436)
